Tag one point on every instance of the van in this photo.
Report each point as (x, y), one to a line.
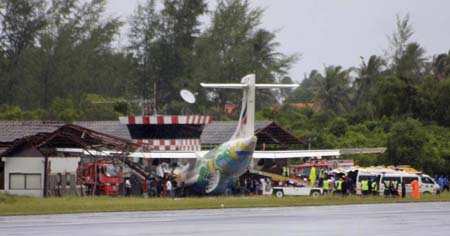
(427, 184)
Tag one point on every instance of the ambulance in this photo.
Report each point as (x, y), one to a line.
(380, 174)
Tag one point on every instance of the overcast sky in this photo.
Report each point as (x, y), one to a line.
(338, 32)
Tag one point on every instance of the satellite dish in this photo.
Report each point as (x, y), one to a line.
(187, 96)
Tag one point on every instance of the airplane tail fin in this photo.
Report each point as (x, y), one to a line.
(246, 124)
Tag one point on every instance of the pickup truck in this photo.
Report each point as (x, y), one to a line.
(300, 190)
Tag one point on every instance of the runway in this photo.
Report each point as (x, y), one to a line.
(378, 219)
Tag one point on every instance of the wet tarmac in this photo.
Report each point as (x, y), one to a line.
(380, 219)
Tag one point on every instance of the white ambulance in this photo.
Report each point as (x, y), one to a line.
(427, 184)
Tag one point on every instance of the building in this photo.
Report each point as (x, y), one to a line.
(29, 163)
(31, 157)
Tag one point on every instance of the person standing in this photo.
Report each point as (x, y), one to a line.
(396, 194)
(312, 176)
(403, 189)
(386, 188)
(321, 177)
(415, 189)
(326, 186)
(365, 187)
(374, 187)
(391, 188)
(440, 182)
(349, 185)
(446, 187)
(127, 187)
(338, 187)
(159, 187)
(169, 187)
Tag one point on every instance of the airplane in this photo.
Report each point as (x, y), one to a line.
(213, 171)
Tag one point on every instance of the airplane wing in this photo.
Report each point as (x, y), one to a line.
(314, 153)
(294, 154)
(257, 154)
(155, 154)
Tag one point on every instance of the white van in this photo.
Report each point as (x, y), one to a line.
(427, 184)
(369, 175)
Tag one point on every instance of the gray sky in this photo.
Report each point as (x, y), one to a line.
(338, 32)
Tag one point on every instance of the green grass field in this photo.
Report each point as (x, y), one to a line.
(19, 205)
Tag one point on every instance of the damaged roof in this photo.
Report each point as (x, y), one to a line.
(71, 136)
(111, 127)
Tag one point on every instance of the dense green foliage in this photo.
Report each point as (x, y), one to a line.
(399, 102)
(56, 56)
(62, 59)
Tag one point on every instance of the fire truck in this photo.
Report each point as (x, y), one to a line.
(100, 177)
(303, 170)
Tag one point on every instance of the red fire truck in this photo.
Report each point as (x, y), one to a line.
(303, 170)
(100, 177)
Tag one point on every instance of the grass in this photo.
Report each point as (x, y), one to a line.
(20, 205)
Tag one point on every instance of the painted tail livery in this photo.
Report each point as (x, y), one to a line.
(223, 165)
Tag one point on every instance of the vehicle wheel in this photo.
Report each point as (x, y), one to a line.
(279, 193)
(315, 194)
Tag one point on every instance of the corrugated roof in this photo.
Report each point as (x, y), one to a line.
(12, 130)
(221, 131)
(112, 127)
(268, 132)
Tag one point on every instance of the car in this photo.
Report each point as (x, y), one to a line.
(299, 190)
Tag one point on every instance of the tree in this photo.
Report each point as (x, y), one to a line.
(21, 22)
(144, 28)
(399, 39)
(234, 46)
(334, 91)
(59, 45)
(164, 46)
(306, 91)
(410, 66)
(406, 143)
(365, 85)
(77, 51)
(441, 66)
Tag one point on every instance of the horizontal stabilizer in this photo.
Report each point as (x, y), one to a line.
(240, 86)
(270, 86)
(229, 86)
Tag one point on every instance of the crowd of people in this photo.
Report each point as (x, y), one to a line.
(255, 186)
(167, 186)
(155, 186)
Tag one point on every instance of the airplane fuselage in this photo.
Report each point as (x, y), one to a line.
(214, 172)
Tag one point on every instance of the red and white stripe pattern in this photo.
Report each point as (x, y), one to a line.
(172, 144)
(165, 120)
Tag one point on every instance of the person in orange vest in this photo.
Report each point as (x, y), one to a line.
(415, 189)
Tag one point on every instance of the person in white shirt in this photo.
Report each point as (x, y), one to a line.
(169, 188)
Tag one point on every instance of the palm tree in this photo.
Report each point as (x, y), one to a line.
(411, 64)
(365, 85)
(441, 66)
(334, 91)
(368, 74)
